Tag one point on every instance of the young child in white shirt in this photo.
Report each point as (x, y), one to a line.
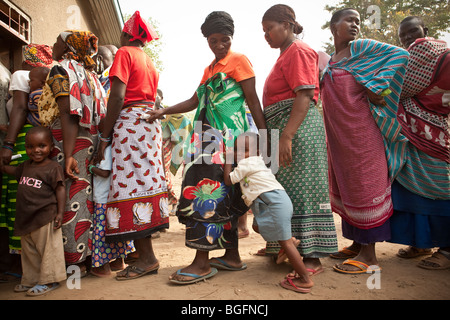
(271, 206)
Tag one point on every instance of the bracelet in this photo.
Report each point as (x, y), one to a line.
(5, 146)
(9, 143)
(103, 139)
(90, 168)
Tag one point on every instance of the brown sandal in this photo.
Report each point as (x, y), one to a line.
(438, 261)
(344, 254)
(413, 252)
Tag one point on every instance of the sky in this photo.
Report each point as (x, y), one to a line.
(185, 52)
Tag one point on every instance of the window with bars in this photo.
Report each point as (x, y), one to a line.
(15, 21)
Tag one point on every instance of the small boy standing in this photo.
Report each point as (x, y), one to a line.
(271, 206)
(39, 213)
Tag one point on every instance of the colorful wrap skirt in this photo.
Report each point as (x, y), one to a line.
(103, 252)
(137, 202)
(210, 209)
(77, 221)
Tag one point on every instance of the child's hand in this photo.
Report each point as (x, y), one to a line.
(58, 221)
(72, 168)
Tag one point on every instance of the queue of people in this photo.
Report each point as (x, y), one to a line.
(379, 156)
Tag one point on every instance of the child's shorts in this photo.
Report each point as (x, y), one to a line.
(273, 212)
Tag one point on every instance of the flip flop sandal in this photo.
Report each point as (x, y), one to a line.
(344, 253)
(437, 261)
(290, 285)
(22, 288)
(196, 277)
(412, 252)
(363, 268)
(41, 289)
(314, 272)
(138, 271)
(225, 266)
(261, 252)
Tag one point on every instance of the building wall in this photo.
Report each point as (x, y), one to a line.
(48, 21)
(50, 17)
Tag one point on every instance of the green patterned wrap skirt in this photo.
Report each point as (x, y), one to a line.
(306, 182)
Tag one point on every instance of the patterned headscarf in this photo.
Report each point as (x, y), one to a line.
(140, 29)
(37, 55)
(83, 46)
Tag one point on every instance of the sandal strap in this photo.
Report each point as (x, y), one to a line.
(444, 253)
(360, 265)
(38, 288)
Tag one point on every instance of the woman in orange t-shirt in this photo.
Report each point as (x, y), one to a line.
(208, 208)
(137, 201)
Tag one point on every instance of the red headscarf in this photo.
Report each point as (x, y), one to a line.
(140, 29)
(37, 55)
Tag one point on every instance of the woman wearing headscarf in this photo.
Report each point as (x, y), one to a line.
(360, 92)
(421, 192)
(207, 207)
(20, 121)
(290, 95)
(72, 104)
(137, 202)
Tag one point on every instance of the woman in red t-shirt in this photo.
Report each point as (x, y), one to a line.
(290, 95)
(137, 201)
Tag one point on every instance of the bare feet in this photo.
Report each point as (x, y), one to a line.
(102, 272)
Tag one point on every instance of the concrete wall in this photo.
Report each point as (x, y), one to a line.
(50, 17)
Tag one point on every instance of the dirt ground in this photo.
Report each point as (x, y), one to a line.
(400, 279)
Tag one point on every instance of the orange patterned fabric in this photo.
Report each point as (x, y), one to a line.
(83, 46)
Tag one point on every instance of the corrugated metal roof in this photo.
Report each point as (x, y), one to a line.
(108, 20)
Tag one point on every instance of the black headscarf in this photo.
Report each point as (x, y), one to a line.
(218, 22)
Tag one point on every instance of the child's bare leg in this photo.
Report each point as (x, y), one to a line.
(303, 279)
(243, 231)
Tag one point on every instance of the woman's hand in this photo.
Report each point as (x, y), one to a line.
(71, 168)
(153, 115)
(285, 151)
(375, 98)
